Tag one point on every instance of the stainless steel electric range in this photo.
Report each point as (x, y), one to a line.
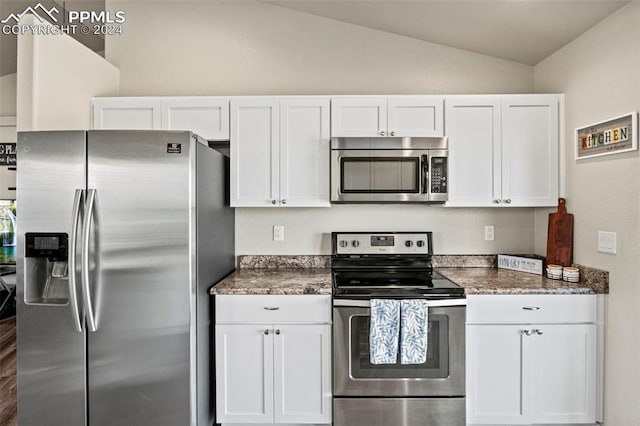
(395, 265)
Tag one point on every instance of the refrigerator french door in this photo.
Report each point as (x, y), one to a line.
(113, 320)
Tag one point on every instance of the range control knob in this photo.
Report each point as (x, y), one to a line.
(343, 243)
(420, 243)
(408, 243)
(355, 243)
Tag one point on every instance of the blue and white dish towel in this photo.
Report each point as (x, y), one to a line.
(384, 331)
(415, 325)
(394, 320)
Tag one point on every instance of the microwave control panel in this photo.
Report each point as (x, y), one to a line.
(438, 175)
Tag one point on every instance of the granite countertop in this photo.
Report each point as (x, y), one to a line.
(276, 281)
(282, 275)
(503, 281)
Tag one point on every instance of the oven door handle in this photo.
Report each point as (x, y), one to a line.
(441, 303)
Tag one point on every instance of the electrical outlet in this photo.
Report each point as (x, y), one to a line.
(489, 233)
(278, 232)
(607, 242)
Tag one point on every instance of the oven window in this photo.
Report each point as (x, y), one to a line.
(436, 366)
(386, 175)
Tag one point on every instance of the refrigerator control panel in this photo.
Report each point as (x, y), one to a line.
(53, 245)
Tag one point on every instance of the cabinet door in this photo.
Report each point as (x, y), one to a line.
(530, 144)
(204, 116)
(244, 374)
(302, 371)
(474, 132)
(254, 152)
(359, 116)
(564, 379)
(127, 113)
(496, 368)
(304, 152)
(415, 116)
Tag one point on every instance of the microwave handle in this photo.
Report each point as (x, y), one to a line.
(425, 174)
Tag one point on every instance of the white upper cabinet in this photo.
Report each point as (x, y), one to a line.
(395, 116)
(473, 128)
(255, 146)
(203, 115)
(415, 116)
(360, 116)
(503, 150)
(280, 152)
(530, 149)
(304, 152)
(127, 113)
(207, 117)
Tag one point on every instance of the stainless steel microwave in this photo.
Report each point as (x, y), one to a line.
(389, 170)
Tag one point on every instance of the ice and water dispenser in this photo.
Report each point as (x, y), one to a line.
(46, 268)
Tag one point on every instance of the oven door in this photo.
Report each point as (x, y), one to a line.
(441, 375)
(385, 175)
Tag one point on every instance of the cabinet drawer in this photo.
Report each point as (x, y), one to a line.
(298, 309)
(512, 309)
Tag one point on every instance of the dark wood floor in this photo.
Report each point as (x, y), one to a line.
(8, 411)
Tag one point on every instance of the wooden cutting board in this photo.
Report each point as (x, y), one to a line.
(560, 236)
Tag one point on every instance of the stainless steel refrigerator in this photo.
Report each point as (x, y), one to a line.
(121, 233)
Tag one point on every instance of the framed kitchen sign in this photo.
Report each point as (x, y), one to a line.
(619, 134)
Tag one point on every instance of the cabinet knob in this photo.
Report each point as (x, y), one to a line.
(508, 201)
(497, 201)
(284, 201)
(393, 133)
(273, 201)
(278, 331)
(382, 133)
(538, 332)
(526, 332)
(266, 332)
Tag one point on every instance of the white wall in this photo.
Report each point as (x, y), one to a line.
(57, 76)
(8, 95)
(456, 231)
(252, 48)
(600, 74)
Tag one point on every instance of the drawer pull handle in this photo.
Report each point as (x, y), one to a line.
(266, 332)
(278, 331)
(526, 332)
(538, 331)
(531, 308)
(271, 308)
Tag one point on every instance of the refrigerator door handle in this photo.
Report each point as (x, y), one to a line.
(86, 228)
(73, 296)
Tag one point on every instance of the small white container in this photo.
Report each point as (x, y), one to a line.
(571, 274)
(554, 272)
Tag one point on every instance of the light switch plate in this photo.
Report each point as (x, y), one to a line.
(607, 242)
(489, 233)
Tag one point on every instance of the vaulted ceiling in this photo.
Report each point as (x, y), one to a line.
(525, 31)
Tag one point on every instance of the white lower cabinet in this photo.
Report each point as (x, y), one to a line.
(272, 372)
(531, 372)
